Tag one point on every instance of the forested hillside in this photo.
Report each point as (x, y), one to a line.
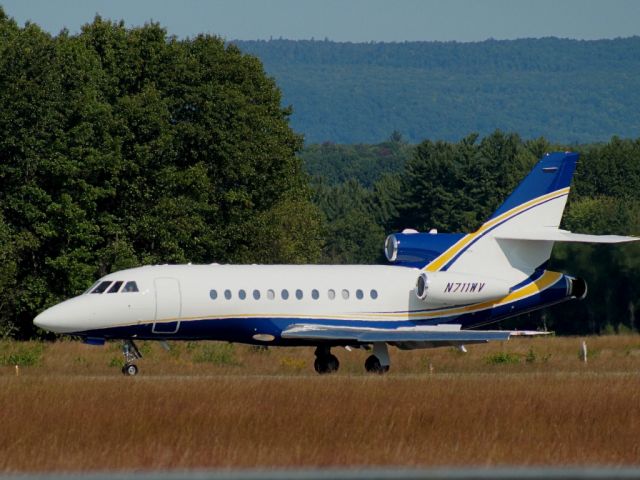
(565, 90)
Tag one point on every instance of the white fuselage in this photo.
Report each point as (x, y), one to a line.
(194, 292)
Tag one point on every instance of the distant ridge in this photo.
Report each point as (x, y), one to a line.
(570, 91)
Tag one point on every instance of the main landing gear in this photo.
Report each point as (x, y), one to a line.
(378, 363)
(131, 354)
(325, 361)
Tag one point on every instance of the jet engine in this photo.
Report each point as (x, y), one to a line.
(445, 288)
(576, 288)
(417, 249)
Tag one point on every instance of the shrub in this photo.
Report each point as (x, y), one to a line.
(23, 354)
(502, 358)
(531, 356)
(216, 353)
(116, 362)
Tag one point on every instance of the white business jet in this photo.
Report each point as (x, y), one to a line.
(436, 291)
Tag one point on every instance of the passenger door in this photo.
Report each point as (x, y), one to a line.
(168, 306)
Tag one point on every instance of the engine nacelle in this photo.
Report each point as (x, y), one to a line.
(576, 288)
(444, 288)
(418, 248)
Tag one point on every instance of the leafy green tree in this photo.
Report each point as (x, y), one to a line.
(121, 147)
(7, 280)
(455, 186)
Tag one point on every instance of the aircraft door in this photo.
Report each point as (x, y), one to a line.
(168, 306)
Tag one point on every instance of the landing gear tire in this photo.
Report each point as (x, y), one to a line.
(373, 365)
(130, 370)
(326, 364)
(131, 354)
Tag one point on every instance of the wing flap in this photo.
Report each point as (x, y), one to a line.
(412, 334)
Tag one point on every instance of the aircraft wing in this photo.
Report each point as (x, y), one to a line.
(557, 235)
(433, 336)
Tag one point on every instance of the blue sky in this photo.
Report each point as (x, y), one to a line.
(349, 20)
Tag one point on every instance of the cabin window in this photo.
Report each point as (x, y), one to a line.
(331, 294)
(299, 294)
(227, 294)
(345, 294)
(130, 287)
(271, 294)
(315, 294)
(242, 294)
(284, 294)
(102, 286)
(115, 287)
(374, 294)
(213, 294)
(256, 294)
(359, 294)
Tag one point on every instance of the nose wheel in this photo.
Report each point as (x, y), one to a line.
(130, 370)
(131, 354)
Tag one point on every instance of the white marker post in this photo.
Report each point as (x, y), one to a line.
(583, 351)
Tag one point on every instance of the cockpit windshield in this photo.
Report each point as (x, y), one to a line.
(130, 287)
(102, 286)
(115, 287)
(110, 286)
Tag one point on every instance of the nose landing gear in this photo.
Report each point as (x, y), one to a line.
(131, 354)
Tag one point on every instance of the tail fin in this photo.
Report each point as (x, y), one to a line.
(549, 178)
(536, 205)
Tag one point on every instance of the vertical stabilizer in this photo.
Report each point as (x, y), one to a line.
(536, 204)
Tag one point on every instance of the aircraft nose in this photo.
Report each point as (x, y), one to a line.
(46, 320)
(58, 319)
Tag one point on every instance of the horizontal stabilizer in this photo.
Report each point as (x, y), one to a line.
(436, 333)
(557, 235)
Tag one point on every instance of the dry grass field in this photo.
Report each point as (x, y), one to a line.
(209, 405)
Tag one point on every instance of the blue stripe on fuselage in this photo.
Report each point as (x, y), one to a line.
(242, 330)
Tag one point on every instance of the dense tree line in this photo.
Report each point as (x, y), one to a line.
(455, 186)
(565, 90)
(337, 163)
(121, 147)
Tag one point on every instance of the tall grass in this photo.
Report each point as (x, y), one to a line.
(75, 412)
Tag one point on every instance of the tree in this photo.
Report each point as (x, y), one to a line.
(121, 147)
